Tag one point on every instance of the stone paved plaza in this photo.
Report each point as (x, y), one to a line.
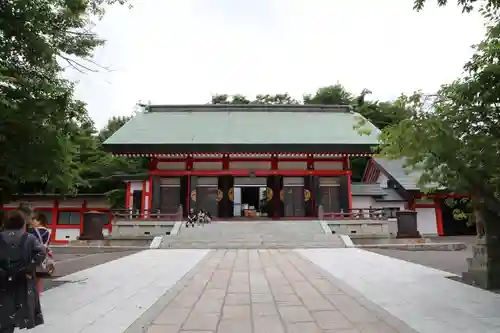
(267, 291)
(344, 290)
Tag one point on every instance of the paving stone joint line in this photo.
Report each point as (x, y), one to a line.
(265, 291)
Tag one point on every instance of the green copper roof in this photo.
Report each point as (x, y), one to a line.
(362, 189)
(407, 178)
(243, 124)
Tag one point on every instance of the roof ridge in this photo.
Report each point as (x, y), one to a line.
(247, 107)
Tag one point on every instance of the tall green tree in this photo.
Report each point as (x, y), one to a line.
(38, 112)
(98, 169)
(275, 99)
(381, 114)
(259, 99)
(453, 136)
(333, 95)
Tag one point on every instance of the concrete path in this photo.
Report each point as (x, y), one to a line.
(109, 298)
(422, 297)
(257, 291)
(71, 263)
(267, 291)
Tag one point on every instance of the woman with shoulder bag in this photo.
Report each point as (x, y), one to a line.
(20, 253)
(39, 229)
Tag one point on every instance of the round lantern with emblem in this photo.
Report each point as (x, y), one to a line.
(269, 193)
(307, 195)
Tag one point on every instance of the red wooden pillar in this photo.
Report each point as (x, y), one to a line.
(149, 188)
(411, 203)
(312, 189)
(53, 227)
(349, 191)
(367, 177)
(189, 167)
(128, 194)
(225, 162)
(143, 199)
(82, 211)
(276, 190)
(346, 166)
(153, 164)
(439, 216)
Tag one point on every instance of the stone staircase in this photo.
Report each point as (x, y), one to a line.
(253, 235)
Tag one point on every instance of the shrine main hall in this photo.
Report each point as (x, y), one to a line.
(243, 161)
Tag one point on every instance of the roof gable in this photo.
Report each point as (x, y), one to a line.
(408, 179)
(244, 124)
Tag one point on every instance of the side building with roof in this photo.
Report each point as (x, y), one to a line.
(438, 214)
(65, 215)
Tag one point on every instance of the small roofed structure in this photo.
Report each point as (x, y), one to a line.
(436, 211)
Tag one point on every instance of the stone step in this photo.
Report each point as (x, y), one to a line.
(253, 238)
(253, 235)
(249, 245)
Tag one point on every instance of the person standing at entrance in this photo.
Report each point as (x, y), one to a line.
(20, 254)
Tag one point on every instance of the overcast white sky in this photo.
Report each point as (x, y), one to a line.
(183, 51)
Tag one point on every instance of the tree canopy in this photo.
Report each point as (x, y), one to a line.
(41, 124)
(380, 113)
(48, 142)
(454, 135)
(466, 5)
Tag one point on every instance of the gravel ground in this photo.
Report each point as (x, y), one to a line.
(448, 261)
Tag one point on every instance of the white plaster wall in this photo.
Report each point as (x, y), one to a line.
(171, 166)
(72, 234)
(426, 217)
(135, 186)
(292, 165)
(67, 234)
(426, 221)
(382, 180)
(359, 202)
(207, 166)
(389, 204)
(256, 165)
(327, 165)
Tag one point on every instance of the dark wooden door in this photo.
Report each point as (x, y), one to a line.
(170, 199)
